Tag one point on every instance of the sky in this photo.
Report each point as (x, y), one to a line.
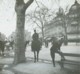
(8, 15)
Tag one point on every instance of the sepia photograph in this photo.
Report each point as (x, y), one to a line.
(39, 36)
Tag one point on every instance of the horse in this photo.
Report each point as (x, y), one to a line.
(9, 45)
(36, 47)
(56, 45)
(2, 47)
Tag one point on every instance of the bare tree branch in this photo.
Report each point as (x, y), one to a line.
(37, 24)
(28, 4)
(37, 2)
(33, 17)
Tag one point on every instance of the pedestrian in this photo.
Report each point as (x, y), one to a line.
(55, 48)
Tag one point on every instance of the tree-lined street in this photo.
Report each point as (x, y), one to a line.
(56, 28)
(29, 65)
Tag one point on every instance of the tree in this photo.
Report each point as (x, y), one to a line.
(62, 14)
(41, 16)
(20, 8)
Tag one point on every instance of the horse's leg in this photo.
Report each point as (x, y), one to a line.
(12, 47)
(0, 51)
(34, 56)
(37, 55)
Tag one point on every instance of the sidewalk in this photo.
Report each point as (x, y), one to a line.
(38, 68)
(43, 68)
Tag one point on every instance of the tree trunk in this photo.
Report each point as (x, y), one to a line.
(19, 39)
(20, 9)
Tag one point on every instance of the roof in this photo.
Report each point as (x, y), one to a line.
(75, 8)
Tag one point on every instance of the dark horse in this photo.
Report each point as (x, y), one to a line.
(9, 45)
(2, 47)
(56, 44)
(36, 47)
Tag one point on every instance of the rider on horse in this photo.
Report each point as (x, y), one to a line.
(36, 45)
(35, 42)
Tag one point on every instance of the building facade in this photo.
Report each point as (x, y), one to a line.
(56, 26)
(65, 24)
(73, 26)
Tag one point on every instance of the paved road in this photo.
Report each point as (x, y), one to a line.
(45, 52)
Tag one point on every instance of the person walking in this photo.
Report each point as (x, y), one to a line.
(55, 48)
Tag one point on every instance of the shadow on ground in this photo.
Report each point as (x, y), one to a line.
(40, 68)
